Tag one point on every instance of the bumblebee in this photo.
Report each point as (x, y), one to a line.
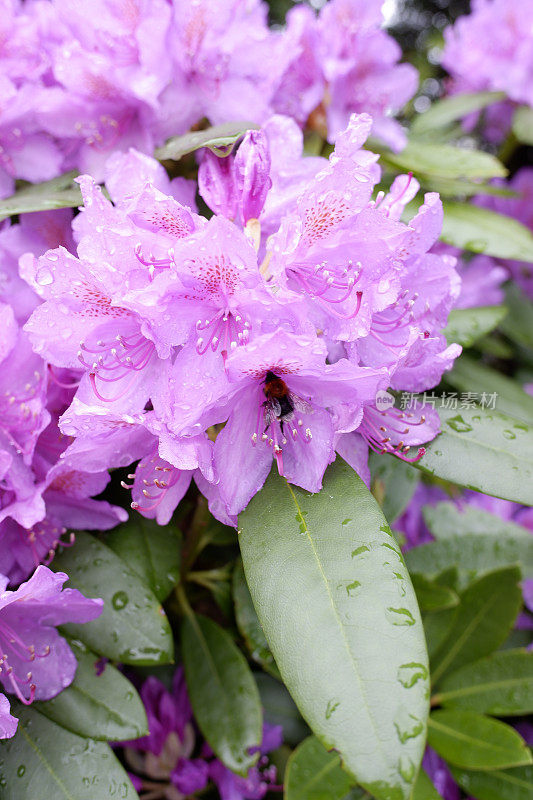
(280, 403)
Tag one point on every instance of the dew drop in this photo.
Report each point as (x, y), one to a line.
(21, 770)
(458, 424)
(44, 276)
(509, 434)
(119, 600)
(358, 550)
(332, 706)
(409, 674)
(400, 616)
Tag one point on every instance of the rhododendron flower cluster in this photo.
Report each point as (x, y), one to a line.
(81, 80)
(166, 754)
(490, 49)
(208, 343)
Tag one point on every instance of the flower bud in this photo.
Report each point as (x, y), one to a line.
(216, 184)
(252, 174)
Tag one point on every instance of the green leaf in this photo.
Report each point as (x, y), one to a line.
(44, 760)
(483, 450)
(450, 109)
(223, 693)
(219, 138)
(393, 483)
(510, 397)
(523, 124)
(248, 623)
(279, 708)
(105, 706)
(509, 784)
(153, 551)
(424, 788)
(432, 596)
(132, 628)
(332, 593)
(444, 160)
(501, 684)
(487, 612)
(463, 188)
(474, 553)
(479, 230)
(446, 520)
(518, 324)
(314, 774)
(60, 192)
(467, 325)
(472, 741)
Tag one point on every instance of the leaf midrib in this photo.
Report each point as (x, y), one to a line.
(453, 733)
(456, 648)
(48, 766)
(353, 660)
(481, 688)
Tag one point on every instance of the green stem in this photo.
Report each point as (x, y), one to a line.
(196, 541)
(183, 602)
(209, 574)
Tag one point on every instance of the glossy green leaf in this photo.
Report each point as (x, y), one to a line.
(280, 709)
(466, 188)
(508, 784)
(248, 623)
(474, 552)
(446, 520)
(102, 706)
(483, 450)
(450, 109)
(393, 483)
(444, 160)
(330, 587)
(510, 397)
(219, 138)
(44, 760)
(472, 741)
(60, 192)
(314, 774)
(523, 124)
(479, 230)
(501, 684)
(431, 595)
(223, 693)
(424, 788)
(482, 622)
(518, 324)
(132, 628)
(467, 325)
(437, 625)
(152, 550)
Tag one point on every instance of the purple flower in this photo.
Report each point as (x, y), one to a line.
(8, 723)
(34, 233)
(211, 296)
(360, 65)
(276, 396)
(25, 151)
(440, 775)
(107, 76)
(35, 661)
(491, 49)
(237, 186)
(167, 753)
(519, 208)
